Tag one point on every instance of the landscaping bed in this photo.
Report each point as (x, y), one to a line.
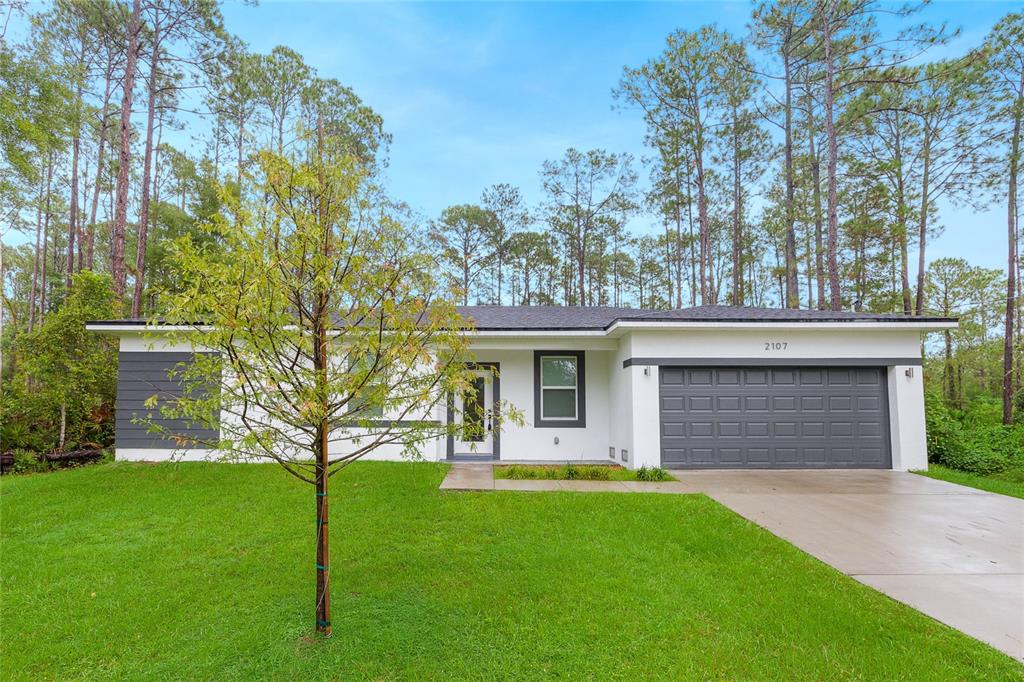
(206, 571)
(579, 472)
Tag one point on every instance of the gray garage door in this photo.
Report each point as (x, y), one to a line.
(774, 418)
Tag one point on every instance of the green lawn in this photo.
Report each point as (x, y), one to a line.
(1010, 482)
(206, 571)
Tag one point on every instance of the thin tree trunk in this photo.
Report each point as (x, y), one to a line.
(321, 361)
(124, 155)
(950, 379)
(810, 275)
(63, 426)
(147, 160)
(1011, 289)
(819, 245)
(792, 290)
(922, 231)
(676, 267)
(76, 146)
(901, 222)
(835, 294)
(702, 224)
(100, 157)
(500, 267)
(581, 257)
(46, 239)
(689, 219)
(737, 216)
(35, 260)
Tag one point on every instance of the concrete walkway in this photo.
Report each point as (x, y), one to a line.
(954, 553)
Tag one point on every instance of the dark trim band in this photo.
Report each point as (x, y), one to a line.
(771, 362)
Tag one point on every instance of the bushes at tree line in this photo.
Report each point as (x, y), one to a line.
(972, 441)
(58, 372)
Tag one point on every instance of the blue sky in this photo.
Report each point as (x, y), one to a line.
(477, 93)
(480, 93)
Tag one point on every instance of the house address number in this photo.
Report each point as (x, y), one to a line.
(775, 345)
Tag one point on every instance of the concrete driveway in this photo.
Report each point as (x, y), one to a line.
(954, 553)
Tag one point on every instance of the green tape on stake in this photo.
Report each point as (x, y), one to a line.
(321, 494)
(323, 623)
(321, 568)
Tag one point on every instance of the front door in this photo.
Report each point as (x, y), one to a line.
(474, 414)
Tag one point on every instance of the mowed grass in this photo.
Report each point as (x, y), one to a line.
(205, 571)
(1009, 482)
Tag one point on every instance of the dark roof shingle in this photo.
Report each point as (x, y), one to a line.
(601, 317)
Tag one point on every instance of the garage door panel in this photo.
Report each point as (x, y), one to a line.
(754, 417)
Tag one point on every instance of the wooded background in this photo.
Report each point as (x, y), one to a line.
(800, 165)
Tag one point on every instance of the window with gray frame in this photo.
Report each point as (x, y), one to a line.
(559, 395)
(368, 405)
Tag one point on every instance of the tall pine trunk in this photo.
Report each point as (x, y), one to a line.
(76, 148)
(737, 216)
(46, 239)
(147, 162)
(901, 221)
(689, 222)
(819, 245)
(117, 262)
(702, 222)
(835, 294)
(35, 260)
(792, 291)
(922, 225)
(90, 244)
(1011, 289)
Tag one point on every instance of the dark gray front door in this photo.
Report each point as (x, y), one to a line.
(774, 418)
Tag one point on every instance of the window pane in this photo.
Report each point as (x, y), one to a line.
(559, 403)
(558, 371)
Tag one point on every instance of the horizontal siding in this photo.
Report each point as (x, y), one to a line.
(140, 376)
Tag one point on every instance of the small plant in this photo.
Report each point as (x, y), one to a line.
(27, 462)
(521, 472)
(568, 472)
(653, 474)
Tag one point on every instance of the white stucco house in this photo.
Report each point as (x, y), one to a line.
(703, 387)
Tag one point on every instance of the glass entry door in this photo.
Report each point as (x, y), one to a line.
(474, 410)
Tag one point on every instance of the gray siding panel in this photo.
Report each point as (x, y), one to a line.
(774, 417)
(141, 375)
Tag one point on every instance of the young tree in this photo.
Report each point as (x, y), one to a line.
(72, 368)
(324, 337)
